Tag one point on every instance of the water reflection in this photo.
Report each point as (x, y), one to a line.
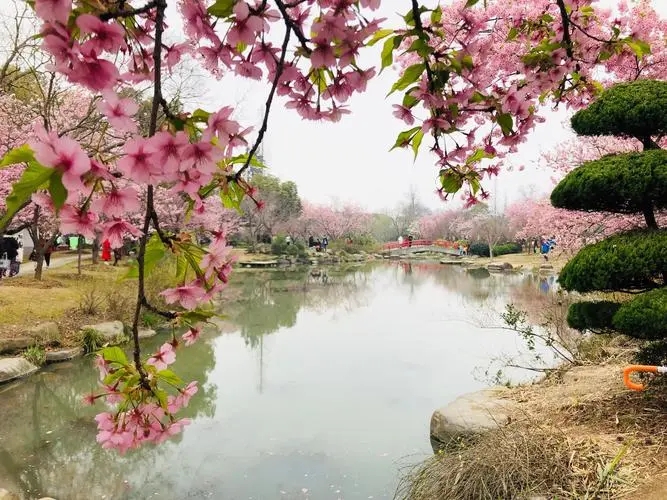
(325, 385)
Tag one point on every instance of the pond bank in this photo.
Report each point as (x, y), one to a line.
(578, 433)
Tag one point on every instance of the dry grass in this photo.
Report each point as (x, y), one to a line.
(578, 434)
(61, 298)
(525, 458)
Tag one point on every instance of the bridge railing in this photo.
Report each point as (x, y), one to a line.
(394, 245)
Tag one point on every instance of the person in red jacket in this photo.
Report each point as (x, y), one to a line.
(106, 251)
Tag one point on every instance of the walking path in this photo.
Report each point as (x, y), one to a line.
(28, 268)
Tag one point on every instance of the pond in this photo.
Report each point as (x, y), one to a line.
(322, 389)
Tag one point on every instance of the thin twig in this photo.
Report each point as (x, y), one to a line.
(131, 12)
(269, 101)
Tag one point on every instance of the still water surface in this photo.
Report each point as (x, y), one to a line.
(323, 390)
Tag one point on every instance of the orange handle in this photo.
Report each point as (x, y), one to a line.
(636, 368)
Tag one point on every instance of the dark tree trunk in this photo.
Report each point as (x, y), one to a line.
(649, 215)
(96, 249)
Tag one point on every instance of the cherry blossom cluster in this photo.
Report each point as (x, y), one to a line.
(478, 79)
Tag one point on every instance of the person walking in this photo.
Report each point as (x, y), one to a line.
(106, 250)
(325, 243)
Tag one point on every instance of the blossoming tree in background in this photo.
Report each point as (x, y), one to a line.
(473, 79)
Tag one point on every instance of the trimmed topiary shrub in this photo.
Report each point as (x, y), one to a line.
(630, 261)
(481, 249)
(645, 316)
(637, 109)
(624, 183)
(596, 317)
(506, 249)
(653, 353)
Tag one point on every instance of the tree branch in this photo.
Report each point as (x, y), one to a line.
(565, 17)
(165, 314)
(131, 12)
(269, 100)
(291, 25)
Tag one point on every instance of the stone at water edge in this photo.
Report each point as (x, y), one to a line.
(146, 333)
(45, 333)
(112, 332)
(63, 354)
(14, 345)
(471, 414)
(13, 368)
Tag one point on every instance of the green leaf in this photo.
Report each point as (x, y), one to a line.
(478, 155)
(114, 377)
(450, 182)
(405, 137)
(114, 355)
(409, 100)
(170, 377)
(506, 123)
(22, 154)
(34, 178)
(467, 62)
(232, 196)
(155, 252)
(57, 190)
(513, 33)
(477, 97)
(200, 115)
(387, 53)
(161, 396)
(417, 141)
(436, 15)
(604, 55)
(379, 35)
(196, 316)
(471, 3)
(222, 8)
(639, 47)
(410, 76)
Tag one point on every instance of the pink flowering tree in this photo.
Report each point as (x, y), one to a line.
(473, 79)
(333, 222)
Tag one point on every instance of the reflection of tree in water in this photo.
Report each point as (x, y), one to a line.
(475, 285)
(538, 296)
(47, 439)
(268, 301)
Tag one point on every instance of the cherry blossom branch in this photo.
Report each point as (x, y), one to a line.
(107, 16)
(269, 100)
(161, 6)
(165, 314)
(565, 17)
(291, 25)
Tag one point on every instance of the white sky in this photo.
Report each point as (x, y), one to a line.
(350, 160)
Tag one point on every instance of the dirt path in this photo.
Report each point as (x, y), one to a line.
(28, 268)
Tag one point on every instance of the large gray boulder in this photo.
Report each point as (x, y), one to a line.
(63, 354)
(471, 414)
(112, 332)
(13, 368)
(15, 345)
(146, 333)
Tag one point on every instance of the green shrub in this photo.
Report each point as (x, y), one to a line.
(506, 249)
(279, 245)
(615, 183)
(35, 354)
(637, 109)
(652, 353)
(628, 261)
(92, 340)
(481, 249)
(592, 316)
(645, 316)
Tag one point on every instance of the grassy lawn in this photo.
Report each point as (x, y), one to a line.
(65, 297)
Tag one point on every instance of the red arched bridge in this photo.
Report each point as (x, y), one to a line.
(422, 246)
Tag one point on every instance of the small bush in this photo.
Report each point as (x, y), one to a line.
(592, 316)
(90, 302)
(92, 340)
(119, 305)
(150, 320)
(36, 355)
(279, 245)
(506, 248)
(645, 316)
(481, 249)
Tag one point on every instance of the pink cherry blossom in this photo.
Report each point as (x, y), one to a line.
(119, 112)
(109, 37)
(76, 221)
(53, 10)
(117, 202)
(139, 161)
(188, 296)
(116, 229)
(191, 336)
(67, 156)
(163, 357)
